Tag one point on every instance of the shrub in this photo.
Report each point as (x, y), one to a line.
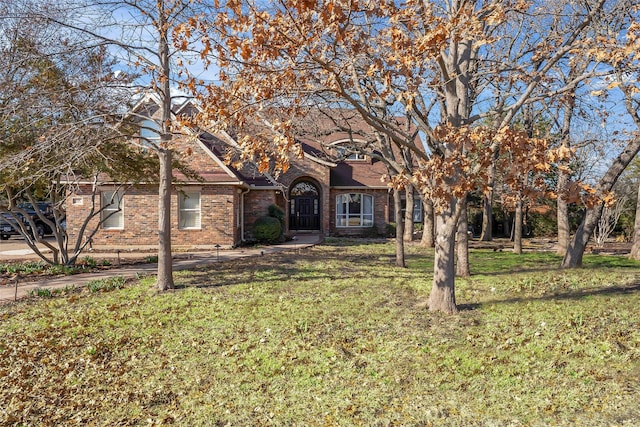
(276, 212)
(267, 229)
(390, 229)
(543, 225)
(89, 261)
(371, 232)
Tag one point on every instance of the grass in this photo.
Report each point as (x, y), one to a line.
(334, 335)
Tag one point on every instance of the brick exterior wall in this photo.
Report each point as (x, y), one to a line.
(219, 210)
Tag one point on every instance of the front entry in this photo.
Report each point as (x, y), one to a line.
(304, 207)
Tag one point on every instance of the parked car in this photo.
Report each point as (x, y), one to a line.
(7, 228)
(42, 229)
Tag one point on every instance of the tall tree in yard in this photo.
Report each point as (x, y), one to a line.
(635, 247)
(58, 113)
(433, 63)
(621, 53)
(141, 34)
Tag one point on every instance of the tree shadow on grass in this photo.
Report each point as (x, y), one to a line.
(626, 289)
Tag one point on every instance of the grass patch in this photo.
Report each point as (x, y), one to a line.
(333, 336)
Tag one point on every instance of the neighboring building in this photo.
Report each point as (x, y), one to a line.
(318, 196)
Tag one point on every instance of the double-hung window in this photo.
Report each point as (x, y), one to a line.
(112, 210)
(189, 211)
(149, 132)
(354, 210)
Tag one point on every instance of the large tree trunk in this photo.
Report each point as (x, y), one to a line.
(408, 214)
(165, 260)
(428, 239)
(577, 245)
(443, 297)
(564, 233)
(397, 205)
(487, 207)
(635, 248)
(462, 248)
(517, 228)
(575, 251)
(506, 223)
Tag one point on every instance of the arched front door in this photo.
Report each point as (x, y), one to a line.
(304, 206)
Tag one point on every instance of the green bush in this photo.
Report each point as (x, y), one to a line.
(390, 229)
(276, 212)
(371, 232)
(267, 229)
(543, 224)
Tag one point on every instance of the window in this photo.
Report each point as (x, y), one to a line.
(348, 154)
(112, 213)
(417, 209)
(189, 211)
(354, 210)
(149, 132)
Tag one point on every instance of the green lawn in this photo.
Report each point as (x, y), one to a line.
(334, 335)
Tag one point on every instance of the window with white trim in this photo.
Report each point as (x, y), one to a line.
(189, 211)
(354, 210)
(149, 132)
(112, 210)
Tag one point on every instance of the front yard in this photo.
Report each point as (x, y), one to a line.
(333, 335)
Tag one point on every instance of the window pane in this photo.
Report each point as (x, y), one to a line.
(190, 220)
(149, 130)
(341, 206)
(191, 201)
(112, 220)
(354, 204)
(112, 214)
(189, 211)
(417, 209)
(368, 204)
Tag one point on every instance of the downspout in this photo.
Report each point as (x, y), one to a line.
(242, 194)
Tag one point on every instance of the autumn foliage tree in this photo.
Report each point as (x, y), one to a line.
(436, 64)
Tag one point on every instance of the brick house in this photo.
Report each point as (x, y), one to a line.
(317, 195)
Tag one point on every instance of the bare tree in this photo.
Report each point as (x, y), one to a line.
(59, 110)
(609, 220)
(140, 33)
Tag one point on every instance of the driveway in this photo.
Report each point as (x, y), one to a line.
(16, 248)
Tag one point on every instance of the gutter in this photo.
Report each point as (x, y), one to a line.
(242, 194)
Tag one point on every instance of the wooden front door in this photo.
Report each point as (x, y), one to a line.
(304, 213)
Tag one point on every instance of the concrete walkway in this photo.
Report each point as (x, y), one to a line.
(181, 261)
